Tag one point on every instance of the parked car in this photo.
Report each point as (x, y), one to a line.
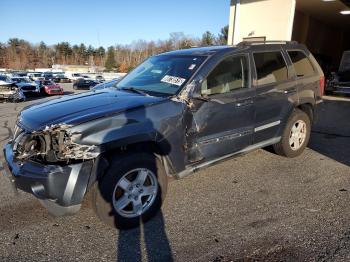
(174, 114)
(85, 77)
(74, 76)
(61, 78)
(339, 82)
(9, 91)
(26, 86)
(51, 88)
(84, 84)
(107, 84)
(19, 74)
(48, 76)
(99, 79)
(35, 76)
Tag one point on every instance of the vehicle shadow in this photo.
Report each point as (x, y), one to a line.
(156, 243)
(69, 93)
(331, 133)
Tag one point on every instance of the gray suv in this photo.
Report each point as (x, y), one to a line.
(174, 114)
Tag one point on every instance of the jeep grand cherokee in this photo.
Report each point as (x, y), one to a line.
(174, 114)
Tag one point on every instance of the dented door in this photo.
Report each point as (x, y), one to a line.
(222, 122)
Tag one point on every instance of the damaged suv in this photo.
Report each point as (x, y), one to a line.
(9, 90)
(174, 114)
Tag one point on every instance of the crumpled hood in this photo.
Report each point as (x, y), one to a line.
(79, 108)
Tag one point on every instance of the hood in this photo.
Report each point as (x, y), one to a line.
(22, 84)
(79, 108)
(52, 86)
(5, 83)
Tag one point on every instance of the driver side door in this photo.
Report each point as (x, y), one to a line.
(224, 123)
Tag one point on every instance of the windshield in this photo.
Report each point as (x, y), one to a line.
(164, 74)
(3, 78)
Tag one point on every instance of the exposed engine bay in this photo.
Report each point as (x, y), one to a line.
(53, 144)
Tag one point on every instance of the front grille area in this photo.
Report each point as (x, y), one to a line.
(28, 88)
(55, 90)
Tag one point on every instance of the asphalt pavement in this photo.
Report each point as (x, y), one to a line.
(257, 207)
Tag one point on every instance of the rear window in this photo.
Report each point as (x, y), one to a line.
(270, 68)
(302, 64)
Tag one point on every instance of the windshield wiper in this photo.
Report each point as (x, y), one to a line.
(134, 90)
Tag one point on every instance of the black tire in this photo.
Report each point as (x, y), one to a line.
(283, 148)
(75, 87)
(102, 191)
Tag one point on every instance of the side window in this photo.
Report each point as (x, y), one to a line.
(301, 63)
(270, 67)
(231, 74)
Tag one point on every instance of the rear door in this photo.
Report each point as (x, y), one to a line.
(307, 76)
(276, 92)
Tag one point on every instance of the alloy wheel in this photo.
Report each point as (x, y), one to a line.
(135, 192)
(297, 135)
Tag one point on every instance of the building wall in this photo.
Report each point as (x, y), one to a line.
(272, 19)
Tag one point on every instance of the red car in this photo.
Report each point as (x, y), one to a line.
(51, 88)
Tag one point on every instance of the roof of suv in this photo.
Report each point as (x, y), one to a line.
(211, 50)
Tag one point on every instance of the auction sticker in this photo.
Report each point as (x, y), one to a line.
(174, 80)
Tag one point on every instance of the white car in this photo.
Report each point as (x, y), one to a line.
(74, 76)
(36, 76)
(9, 90)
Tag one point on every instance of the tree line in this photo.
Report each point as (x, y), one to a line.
(20, 54)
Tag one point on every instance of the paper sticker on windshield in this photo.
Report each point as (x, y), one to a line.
(174, 80)
(192, 66)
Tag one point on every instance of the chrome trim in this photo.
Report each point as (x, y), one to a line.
(192, 169)
(260, 128)
(224, 138)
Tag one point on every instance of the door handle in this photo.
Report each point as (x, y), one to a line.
(244, 103)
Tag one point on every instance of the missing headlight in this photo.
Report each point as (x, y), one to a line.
(53, 144)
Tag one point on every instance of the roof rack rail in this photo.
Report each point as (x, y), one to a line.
(266, 42)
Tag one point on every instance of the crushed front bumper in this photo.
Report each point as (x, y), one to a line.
(60, 189)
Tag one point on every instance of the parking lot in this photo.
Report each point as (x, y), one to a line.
(259, 206)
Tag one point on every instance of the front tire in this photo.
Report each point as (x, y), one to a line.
(296, 135)
(131, 191)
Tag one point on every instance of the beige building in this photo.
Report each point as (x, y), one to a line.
(323, 25)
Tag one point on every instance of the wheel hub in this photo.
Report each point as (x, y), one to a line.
(297, 135)
(135, 192)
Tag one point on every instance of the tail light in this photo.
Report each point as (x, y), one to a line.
(322, 84)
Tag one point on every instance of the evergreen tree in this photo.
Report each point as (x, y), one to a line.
(223, 36)
(110, 63)
(208, 39)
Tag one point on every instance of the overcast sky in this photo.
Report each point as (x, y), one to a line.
(102, 22)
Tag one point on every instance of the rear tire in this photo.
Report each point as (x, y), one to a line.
(120, 197)
(295, 136)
